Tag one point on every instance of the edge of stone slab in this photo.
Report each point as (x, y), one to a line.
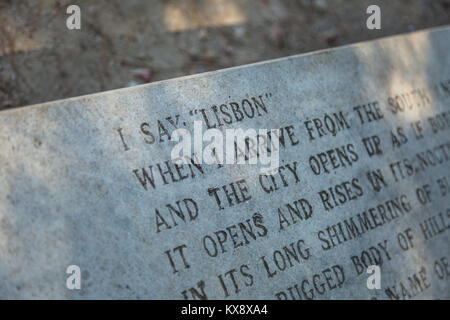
(209, 73)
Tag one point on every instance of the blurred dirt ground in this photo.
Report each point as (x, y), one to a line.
(124, 43)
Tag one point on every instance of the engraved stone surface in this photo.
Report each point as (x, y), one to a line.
(363, 179)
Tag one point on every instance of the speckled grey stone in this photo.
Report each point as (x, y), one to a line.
(70, 192)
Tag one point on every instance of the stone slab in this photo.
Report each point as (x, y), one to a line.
(363, 179)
